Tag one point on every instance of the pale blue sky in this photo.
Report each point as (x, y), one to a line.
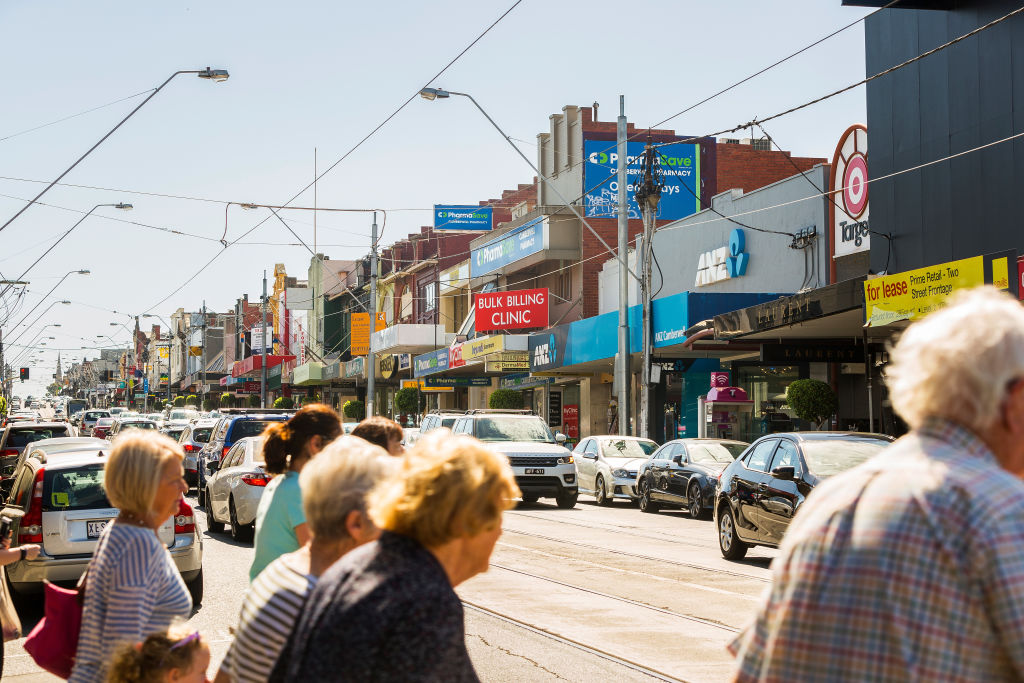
(322, 74)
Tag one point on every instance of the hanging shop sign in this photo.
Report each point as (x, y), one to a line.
(360, 332)
(388, 366)
(515, 310)
(460, 217)
(437, 382)
(849, 185)
(430, 363)
(455, 356)
(510, 247)
(248, 388)
(404, 361)
(724, 263)
(554, 408)
(680, 167)
(331, 371)
(509, 361)
(410, 384)
(916, 293)
(356, 367)
(523, 381)
(478, 348)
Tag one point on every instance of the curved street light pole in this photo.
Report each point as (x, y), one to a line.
(45, 296)
(207, 73)
(38, 318)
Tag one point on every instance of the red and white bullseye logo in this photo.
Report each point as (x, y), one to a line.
(855, 185)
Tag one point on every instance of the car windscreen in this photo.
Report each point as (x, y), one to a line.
(244, 428)
(104, 422)
(628, 448)
(710, 453)
(832, 456)
(513, 429)
(202, 434)
(74, 488)
(20, 438)
(735, 448)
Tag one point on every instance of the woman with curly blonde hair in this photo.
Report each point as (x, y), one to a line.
(387, 610)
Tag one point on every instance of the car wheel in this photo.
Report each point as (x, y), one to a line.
(567, 501)
(529, 498)
(645, 503)
(600, 495)
(195, 589)
(732, 547)
(694, 504)
(212, 525)
(239, 532)
(200, 497)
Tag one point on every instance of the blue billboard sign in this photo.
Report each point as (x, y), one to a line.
(680, 166)
(459, 217)
(525, 240)
(429, 363)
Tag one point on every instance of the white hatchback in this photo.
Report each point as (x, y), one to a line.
(234, 487)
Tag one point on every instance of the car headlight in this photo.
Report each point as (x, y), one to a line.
(621, 474)
(565, 460)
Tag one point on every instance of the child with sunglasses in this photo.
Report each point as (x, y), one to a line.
(172, 657)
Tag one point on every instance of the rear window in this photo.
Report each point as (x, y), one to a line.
(137, 425)
(826, 458)
(20, 438)
(447, 422)
(244, 428)
(173, 433)
(74, 488)
(96, 414)
(202, 434)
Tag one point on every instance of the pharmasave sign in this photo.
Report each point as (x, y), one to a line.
(505, 250)
(516, 310)
(460, 217)
(849, 186)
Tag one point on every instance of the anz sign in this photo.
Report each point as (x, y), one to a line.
(723, 263)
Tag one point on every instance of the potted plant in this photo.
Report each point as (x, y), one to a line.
(284, 402)
(812, 400)
(506, 399)
(407, 401)
(355, 410)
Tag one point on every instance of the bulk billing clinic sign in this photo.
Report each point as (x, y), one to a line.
(680, 168)
(458, 217)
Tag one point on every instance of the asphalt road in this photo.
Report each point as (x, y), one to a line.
(572, 595)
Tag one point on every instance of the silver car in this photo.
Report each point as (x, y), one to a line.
(89, 420)
(193, 437)
(607, 466)
(58, 502)
(234, 487)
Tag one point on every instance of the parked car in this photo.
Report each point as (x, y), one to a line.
(439, 418)
(193, 437)
(181, 415)
(58, 502)
(155, 417)
(88, 420)
(234, 487)
(758, 494)
(101, 429)
(230, 429)
(117, 410)
(20, 434)
(607, 466)
(123, 424)
(409, 435)
(543, 467)
(683, 474)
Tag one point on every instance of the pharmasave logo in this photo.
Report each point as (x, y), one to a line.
(461, 215)
(486, 255)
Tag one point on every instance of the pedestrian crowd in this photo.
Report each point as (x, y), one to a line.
(908, 567)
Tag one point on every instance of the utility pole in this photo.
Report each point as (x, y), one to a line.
(263, 341)
(202, 360)
(371, 357)
(622, 374)
(648, 193)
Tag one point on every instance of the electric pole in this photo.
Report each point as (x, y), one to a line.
(202, 360)
(371, 357)
(648, 193)
(622, 360)
(263, 341)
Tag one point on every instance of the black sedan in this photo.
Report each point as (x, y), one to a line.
(683, 474)
(759, 494)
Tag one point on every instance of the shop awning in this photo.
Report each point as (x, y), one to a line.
(308, 374)
(254, 364)
(410, 338)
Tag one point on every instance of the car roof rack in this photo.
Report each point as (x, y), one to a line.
(499, 411)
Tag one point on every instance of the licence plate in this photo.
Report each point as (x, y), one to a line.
(94, 529)
(535, 470)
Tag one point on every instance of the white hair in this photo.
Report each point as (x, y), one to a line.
(957, 362)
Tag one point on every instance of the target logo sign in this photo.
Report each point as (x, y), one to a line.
(849, 193)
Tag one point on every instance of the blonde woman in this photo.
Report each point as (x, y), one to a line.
(387, 611)
(133, 588)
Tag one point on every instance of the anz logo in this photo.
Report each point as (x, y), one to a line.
(724, 263)
(545, 354)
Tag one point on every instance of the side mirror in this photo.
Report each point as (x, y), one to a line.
(678, 459)
(786, 473)
(212, 466)
(559, 437)
(590, 456)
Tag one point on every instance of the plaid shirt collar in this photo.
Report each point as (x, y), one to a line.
(957, 440)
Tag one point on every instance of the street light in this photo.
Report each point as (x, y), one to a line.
(46, 296)
(65, 302)
(207, 73)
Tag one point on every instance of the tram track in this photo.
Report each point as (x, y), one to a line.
(635, 532)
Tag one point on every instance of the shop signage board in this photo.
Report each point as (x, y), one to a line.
(360, 332)
(485, 346)
(463, 217)
(801, 352)
(163, 351)
(913, 294)
(330, 371)
(430, 363)
(509, 361)
(455, 356)
(849, 184)
(437, 382)
(404, 361)
(723, 263)
(523, 381)
(555, 409)
(571, 420)
(356, 367)
(680, 167)
(410, 384)
(510, 247)
(248, 388)
(388, 366)
(513, 310)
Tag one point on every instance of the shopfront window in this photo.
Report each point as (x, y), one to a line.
(766, 387)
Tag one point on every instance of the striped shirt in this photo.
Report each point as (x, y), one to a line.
(133, 590)
(909, 567)
(268, 614)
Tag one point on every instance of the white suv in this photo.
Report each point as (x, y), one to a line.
(544, 468)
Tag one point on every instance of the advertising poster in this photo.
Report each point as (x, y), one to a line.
(513, 310)
(462, 217)
(360, 331)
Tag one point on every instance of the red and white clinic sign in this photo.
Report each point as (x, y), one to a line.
(455, 356)
(571, 421)
(515, 310)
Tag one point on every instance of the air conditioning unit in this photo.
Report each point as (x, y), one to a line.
(730, 141)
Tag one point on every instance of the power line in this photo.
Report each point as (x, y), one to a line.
(81, 113)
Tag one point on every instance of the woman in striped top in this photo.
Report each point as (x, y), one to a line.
(334, 488)
(133, 588)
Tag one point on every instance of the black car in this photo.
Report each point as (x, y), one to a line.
(683, 474)
(759, 494)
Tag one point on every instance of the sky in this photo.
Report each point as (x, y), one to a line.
(320, 75)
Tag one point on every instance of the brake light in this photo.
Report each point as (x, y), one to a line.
(225, 451)
(184, 521)
(9, 451)
(191, 448)
(31, 530)
(256, 479)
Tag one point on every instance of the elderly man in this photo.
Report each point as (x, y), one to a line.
(911, 566)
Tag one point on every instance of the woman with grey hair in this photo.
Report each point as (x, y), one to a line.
(334, 487)
(911, 566)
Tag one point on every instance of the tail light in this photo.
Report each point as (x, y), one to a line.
(225, 451)
(10, 452)
(31, 530)
(191, 448)
(256, 479)
(184, 521)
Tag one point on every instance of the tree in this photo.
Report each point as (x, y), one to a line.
(212, 401)
(191, 400)
(227, 399)
(285, 402)
(506, 399)
(254, 400)
(179, 401)
(407, 400)
(812, 400)
(354, 409)
(3, 405)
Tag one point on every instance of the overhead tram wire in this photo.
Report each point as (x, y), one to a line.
(81, 113)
